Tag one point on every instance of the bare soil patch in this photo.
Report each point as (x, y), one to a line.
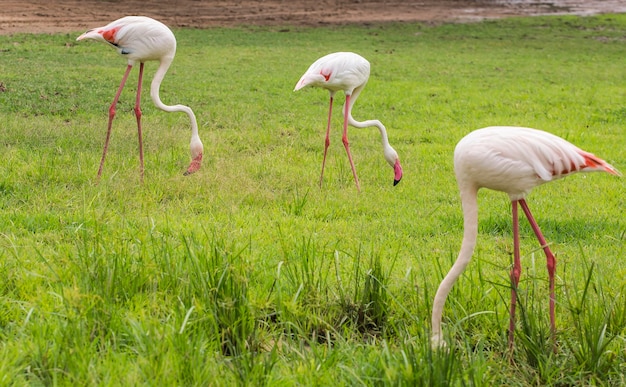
(46, 16)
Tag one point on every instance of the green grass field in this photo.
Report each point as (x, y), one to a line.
(247, 272)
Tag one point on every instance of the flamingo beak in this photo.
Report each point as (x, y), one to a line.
(195, 165)
(397, 171)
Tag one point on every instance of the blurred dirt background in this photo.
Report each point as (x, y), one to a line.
(51, 16)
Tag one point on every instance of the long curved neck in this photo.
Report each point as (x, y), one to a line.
(367, 124)
(154, 93)
(470, 233)
(364, 124)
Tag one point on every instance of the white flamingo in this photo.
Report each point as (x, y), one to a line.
(348, 72)
(141, 39)
(512, 160)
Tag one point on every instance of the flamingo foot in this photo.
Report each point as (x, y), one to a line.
(195, 165)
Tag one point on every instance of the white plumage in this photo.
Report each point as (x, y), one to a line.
(347, 72)
(513, 160)
(141, 39)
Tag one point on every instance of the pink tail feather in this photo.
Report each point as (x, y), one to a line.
(594, 163)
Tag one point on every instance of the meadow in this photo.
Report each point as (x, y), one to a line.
(247, 272)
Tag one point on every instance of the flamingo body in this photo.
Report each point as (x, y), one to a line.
(136, 38)
(339, 71)
(513, 160)
(347, 72)
(141, 39)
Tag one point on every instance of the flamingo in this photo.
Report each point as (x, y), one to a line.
(513, 160)
(141, 39)
(348, 72)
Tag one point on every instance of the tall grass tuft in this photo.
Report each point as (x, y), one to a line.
(303, 292)
(598, 320)
(415, 363)
(366, 306)
(221, 283)
(296, 206)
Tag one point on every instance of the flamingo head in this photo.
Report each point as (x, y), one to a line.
(392, 158)
(397, 172)
(196, 156)
(437, 342)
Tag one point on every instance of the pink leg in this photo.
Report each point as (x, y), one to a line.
(138, 116)
(345, 141)
(327, 142)
(515, 274)
(111, 116)
(551, 263)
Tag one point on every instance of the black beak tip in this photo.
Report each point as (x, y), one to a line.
(395, 182)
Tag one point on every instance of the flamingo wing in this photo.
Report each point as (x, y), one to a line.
(337, 71)
(515, 160)
(138, 38)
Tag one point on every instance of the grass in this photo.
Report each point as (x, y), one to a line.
(247, 272)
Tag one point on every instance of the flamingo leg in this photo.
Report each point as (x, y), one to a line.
(111, 116)
(138, 116)
(327, 141)
(346, 144)
(515, 273)
(551, 263)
